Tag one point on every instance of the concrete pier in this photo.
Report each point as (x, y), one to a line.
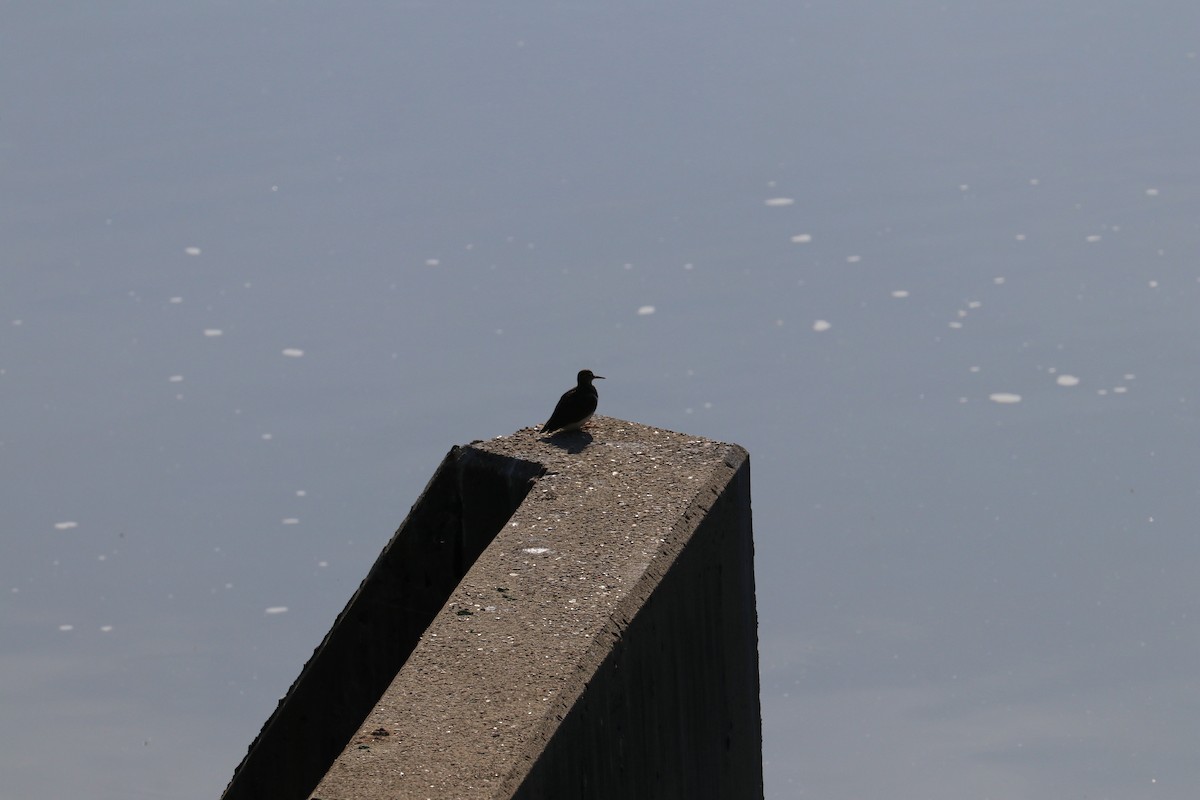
(567, 617)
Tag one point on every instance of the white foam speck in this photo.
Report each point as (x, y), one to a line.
(645, 311)
(1152, 284)
(900, 293)
(975, 369)
(276, 610)
(290, 521)
(1020, 237)
(820, 326)
(1067, 380)
(998, 281)
(1129, 376)
(955, 324)
(1095, 237)
(176, 379)
(213, 332)
(266, 437)
(192, 251)
(1120, 389)
(1152, 192)
(1004, 397)
(853, 259)
(779, 201)
(176, 300)
(802, 238)
(293, 352)
(322, 563)
(106, 628)
(535, 551)
(301, 493)
(65, 526)
(66, 628)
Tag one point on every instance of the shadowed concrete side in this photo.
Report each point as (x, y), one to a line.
(672, 711)
(468, 499)
(603, 645)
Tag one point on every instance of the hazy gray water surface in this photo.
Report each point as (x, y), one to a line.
(934, 265)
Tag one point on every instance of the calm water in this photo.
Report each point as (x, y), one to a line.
(934, 265)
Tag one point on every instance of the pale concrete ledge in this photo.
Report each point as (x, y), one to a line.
(603, 645)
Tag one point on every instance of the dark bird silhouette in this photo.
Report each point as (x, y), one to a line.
(576, 406)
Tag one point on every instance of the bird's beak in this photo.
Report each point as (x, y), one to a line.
(601, 377)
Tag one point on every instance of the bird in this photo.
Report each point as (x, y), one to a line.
(576, 406)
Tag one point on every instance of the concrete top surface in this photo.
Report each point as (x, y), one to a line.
(518, 639)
